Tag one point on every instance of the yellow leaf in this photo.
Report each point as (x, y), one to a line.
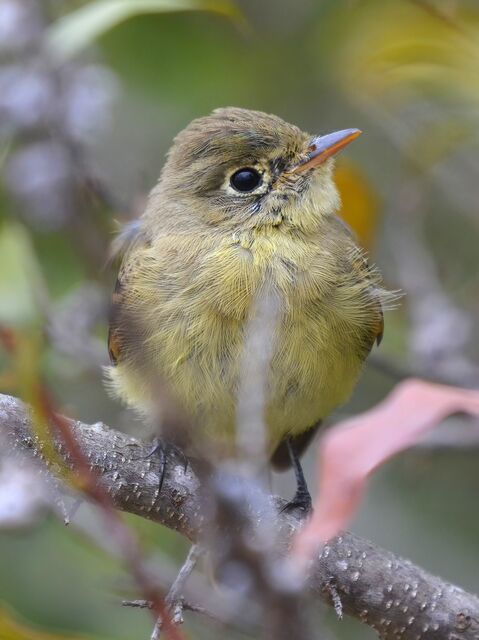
(395, 50)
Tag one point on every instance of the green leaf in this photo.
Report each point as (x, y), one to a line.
(22, 289)
(78, 29)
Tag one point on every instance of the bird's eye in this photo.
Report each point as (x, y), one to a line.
(246, 179)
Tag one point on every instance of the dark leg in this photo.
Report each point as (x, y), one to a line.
(302, 497)
(163, 450)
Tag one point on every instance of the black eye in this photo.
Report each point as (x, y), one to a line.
(246, 179)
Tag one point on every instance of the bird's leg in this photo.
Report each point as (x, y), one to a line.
(163, 450)
(302, 497)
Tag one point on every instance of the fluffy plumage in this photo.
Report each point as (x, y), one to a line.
(204, 254)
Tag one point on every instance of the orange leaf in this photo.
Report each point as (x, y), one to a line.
(359, 203)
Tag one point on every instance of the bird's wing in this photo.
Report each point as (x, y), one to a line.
(128, 238)
(364, 272)
(114, 336)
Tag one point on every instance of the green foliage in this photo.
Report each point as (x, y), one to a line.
(22, 288)
(80, 28)
(408, 78)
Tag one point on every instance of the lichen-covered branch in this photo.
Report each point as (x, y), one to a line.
(392, 595)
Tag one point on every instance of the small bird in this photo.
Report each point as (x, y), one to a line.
(245, 207)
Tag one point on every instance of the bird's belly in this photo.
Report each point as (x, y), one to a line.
(313, 371)
(195, 341)
(313, 368)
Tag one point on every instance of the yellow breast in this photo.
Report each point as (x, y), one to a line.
(194, 302)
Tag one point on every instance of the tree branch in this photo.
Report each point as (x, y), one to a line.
(392, 595)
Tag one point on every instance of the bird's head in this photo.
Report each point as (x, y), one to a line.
(247, 169)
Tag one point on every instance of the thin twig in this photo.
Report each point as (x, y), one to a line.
(330, 587)
(175, 598)
(187, 606)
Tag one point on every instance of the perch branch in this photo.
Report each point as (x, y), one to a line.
(392, 595)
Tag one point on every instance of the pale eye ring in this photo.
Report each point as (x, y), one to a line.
(246, 179)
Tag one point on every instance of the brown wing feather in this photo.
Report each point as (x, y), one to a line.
(114, 342)
(130, 235)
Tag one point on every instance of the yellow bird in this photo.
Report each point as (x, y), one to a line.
(245, 207)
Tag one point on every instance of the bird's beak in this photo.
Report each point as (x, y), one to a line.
(323, 147)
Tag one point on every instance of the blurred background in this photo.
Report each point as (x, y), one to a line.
(91, 95)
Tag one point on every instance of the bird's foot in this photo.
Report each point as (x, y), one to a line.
(163, 451)
(301, 502)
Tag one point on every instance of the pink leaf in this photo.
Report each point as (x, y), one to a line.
(356, 447)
